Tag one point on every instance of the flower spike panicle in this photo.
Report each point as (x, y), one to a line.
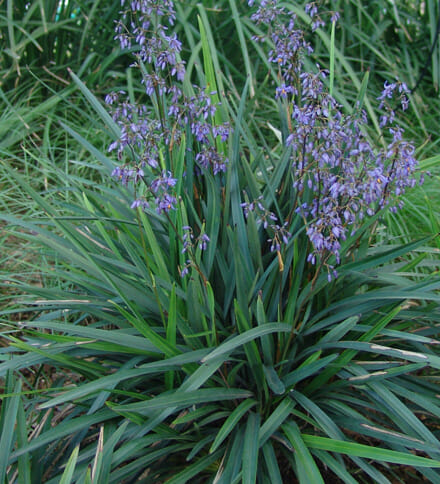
(148, 132)
(338, 174)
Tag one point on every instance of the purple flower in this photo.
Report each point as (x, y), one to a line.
(317, 24)
(222, 130)
(203, 241)
(201, 131)
(387, 93)
(311, 9)
(187, 238)
(123, 174)
(283, 91)
(140, 203)
(113, 97)
(163, 182)
(184, 271)
(404, 102)
(166, 203)
(210, 157)
(335, 17)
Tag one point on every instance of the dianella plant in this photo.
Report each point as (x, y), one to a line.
(235, 311)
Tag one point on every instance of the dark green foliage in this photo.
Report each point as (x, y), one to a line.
(254, 368)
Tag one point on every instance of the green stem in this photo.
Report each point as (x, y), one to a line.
(153, 280)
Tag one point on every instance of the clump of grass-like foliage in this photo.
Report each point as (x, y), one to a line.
(227, 309)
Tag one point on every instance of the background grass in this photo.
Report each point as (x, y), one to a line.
(63, 187)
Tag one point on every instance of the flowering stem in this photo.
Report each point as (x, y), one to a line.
(191, 255)
(153, 280)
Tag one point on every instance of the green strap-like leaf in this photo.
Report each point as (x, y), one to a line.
(250, 335)
(271, 462)
(66, 428)
(367, 451)
(183, 399)
(276, 419)
(250, 451)
(9, 411)
(273, 380)
(231, 422)
(97, 106)
(110, 381)
(306, 468)
(66, 478)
